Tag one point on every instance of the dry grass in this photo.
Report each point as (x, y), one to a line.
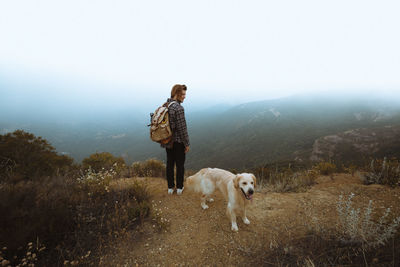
(357, 237)
(287, 181)
(386, 172)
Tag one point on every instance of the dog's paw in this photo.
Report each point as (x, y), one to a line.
(234, 227)
(210, 200)
(246, 221)
(204, 206)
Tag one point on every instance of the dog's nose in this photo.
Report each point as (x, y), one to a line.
(251, 191)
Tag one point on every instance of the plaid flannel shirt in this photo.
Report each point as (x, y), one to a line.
(177, 122)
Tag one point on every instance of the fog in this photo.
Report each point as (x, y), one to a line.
(29, 100)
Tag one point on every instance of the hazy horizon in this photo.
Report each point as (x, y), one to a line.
(50, 100)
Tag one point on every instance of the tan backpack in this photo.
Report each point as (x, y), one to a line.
(160, 129)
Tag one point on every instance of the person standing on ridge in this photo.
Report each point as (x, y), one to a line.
(179, 144)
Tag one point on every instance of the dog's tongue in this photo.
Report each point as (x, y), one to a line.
(251, 197)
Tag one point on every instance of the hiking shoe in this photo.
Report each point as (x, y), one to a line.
(179, 191)
(170, 191)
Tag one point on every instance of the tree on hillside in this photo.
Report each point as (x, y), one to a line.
(25, 156)
(106, 160)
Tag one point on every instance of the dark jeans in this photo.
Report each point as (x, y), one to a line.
(176, 155)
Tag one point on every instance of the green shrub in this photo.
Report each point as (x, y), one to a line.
(351, 169)
(103, 161)
(36, 210)
(325, 168)
(141, 210)
(24, 156)
(64, 216)
(96, 182)
(148, 168)
(71, 220)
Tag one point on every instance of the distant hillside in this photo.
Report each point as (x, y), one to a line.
(358, 145)
(285, 129)
(243, 136)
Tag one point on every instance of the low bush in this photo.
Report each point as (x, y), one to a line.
(362, 237)
(296, 182)
(288, 181)
(158, 218)
(96, 182)
(325, 168)
(70, 217)
(148, 168)
(386, 172)
(316, 249)
(98, 162)
(350, 169)
(359, 227)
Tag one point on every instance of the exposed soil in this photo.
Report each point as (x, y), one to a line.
(197, 237)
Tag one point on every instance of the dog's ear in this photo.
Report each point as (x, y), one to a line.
(236, 181)
(254, 179)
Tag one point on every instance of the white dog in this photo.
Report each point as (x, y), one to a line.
(237, 189)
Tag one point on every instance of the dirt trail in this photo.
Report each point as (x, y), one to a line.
(197, 237)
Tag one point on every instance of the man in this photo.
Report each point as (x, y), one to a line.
(179, 144)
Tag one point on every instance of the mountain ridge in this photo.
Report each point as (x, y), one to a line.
(242, 136)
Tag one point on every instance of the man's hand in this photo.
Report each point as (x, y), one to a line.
(187, 148)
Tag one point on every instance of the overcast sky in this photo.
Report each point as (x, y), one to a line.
(224, 50)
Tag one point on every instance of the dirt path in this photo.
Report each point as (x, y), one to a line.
(197, 237)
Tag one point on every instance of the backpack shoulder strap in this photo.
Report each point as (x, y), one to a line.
(171, 103)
